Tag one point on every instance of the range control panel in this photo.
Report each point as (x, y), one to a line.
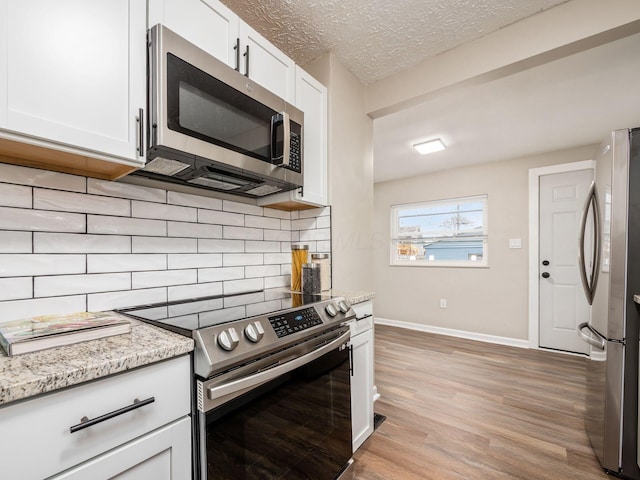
(294, 322)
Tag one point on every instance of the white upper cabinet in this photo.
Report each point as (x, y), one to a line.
(206, 23)
(211, 26)
(311, 98)
(73, 75)
(267, 65)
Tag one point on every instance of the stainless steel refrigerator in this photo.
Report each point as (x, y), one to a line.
(610, 272)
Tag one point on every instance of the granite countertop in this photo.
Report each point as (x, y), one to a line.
(355, 296)
(31, 374)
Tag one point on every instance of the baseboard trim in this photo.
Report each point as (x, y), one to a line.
(481, 337)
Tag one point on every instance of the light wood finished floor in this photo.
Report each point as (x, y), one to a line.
(459, 409)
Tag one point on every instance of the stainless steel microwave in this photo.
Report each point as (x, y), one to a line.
(212, 127)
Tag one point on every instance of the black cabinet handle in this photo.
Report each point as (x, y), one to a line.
(351, 360)
(141, 132)
(246, 62)
(546, 275)
(85, 422)
(237, 49)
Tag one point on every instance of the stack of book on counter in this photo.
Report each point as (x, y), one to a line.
(38, 333)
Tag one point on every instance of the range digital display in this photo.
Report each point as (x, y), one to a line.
(294, 322)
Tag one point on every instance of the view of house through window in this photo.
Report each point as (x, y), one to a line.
(449, 232)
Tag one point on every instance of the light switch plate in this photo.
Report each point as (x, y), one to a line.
(515, 243)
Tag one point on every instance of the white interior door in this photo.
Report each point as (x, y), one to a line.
(562, 303)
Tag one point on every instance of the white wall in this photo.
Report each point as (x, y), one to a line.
(350, 175)
(71, 244)
(488, 301)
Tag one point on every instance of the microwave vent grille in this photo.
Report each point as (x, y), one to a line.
(164, 166)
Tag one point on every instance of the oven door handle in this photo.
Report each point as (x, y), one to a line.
(265, 376)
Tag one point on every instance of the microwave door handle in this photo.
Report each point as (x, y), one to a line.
(286, 141)
(276, 120)
(281, 159)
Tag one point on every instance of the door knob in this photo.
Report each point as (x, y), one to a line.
(545, 262)
(546, 274)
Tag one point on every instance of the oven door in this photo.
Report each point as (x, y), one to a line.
(292, 421)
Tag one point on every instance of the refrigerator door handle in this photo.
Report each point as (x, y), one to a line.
(598, 342)
(589, 283)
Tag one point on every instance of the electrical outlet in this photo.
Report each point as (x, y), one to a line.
(443, 303)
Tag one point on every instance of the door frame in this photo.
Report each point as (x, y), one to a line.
(534, 250)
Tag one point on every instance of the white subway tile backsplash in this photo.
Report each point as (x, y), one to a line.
(262, 271)
(97, 302)
(188, 200)
(45, 199)
(24, 265)
(255, 246)
(164, 245)
(163, 278)
(19, 309)
(318, 234)
(220, 218)
(76, 284)
(237, 259)
(160, 211)
(237, 286)
(68, 243)
(324, 246)
(303, 224)
(323, 222)
(220, 246)
(16, 288)
(277, 235)
(271, 258)
(15, 242)
(125, 226)
(195, 290)
(41, 220)
(42, 178)
(272, 212)
(126, 263)
(12, 195)
(194, 230)
(80, 243)
(194, 260)
(124, 190)
(229, 206)
(242, 233)
(206, 275)
(272, 282)
(262, 222)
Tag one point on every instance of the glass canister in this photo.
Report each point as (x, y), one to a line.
(322, 259)
(310, 278)
(299, 256)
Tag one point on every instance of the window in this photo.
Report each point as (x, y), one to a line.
(449, 233)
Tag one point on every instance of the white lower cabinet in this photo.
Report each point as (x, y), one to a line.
(145, 427)
(362, 381)
(162, 455)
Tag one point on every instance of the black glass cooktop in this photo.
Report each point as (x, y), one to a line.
(185, 316)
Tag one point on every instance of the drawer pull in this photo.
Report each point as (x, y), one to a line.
(85, 422)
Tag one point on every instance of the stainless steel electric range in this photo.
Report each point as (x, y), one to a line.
(272, 396)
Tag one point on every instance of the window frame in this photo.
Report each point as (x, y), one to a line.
(395, 236)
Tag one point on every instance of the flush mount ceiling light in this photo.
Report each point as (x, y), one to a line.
(429, 147)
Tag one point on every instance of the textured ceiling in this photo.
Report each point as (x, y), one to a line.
(376, 38)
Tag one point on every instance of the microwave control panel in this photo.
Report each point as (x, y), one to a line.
(294, 160)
